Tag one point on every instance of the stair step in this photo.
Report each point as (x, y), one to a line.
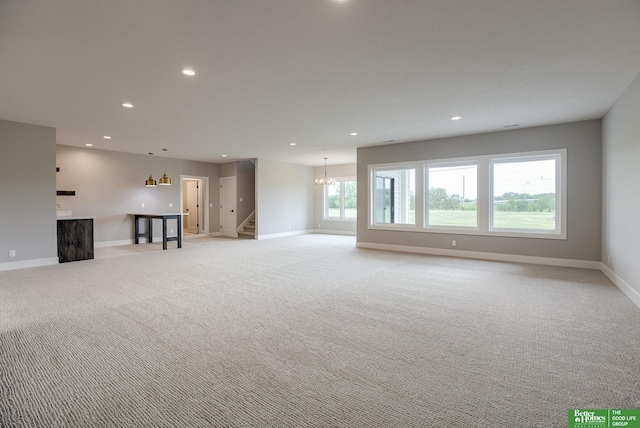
(249, 227)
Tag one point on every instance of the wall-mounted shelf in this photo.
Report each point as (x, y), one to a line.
(65, 192)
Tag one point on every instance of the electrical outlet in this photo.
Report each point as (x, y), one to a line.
(241, 199)
(12, 253)
(210, 205)
(170, 205)
(453, 243)
(170, 230)
(289, 227)
(142, 205)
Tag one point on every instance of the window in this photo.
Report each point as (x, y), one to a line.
(519, 195)
(394, 199)
(340, 200)
(524, 194)
(453, 192)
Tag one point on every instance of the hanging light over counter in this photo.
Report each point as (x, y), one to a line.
(164, 180)
(150, 181)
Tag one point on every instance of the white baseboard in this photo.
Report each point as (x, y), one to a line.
(142, 240)
(335, 232)
(29, 263)
(621, 284)
(282, 235)
(585, 264)
(103, 244)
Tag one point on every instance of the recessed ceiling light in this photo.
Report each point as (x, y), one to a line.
(188, 72)
(89, 145)
(340, 1)
(353, 134)
(292, 144)
(127, 105)
(106, 137)
(224, 156)
(456, 117)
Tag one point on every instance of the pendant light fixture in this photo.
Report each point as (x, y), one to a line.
(325, 181)
(164, 180)
(150, 181)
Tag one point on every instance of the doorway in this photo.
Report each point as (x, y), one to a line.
(194, 199)
(228, 207)
(385, 199)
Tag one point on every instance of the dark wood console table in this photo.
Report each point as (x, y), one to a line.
(149, 232)
(75, 239)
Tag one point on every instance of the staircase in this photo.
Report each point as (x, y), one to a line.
(248, 230)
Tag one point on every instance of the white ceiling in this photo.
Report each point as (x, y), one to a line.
(309, 72)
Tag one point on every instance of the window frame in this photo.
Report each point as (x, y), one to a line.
(560, 157)
(450, 163)
(484, 195)
(371, 203)
(325, 199)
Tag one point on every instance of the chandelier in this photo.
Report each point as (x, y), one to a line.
(325, 181)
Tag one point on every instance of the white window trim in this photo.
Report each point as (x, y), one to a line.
(371, 196)
(484, 200)
(452, 163)
(560, 231)
(325, 208)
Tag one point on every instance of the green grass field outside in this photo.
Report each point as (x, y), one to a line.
(348, 212)
(501, 219)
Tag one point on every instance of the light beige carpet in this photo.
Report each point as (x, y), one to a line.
(309, 331)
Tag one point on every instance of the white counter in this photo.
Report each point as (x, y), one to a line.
(76, 218)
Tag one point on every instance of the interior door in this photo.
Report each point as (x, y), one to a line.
(228, 206)
(191, 221)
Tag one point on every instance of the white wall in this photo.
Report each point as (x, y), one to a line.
(109, 185)
(331, 226)
(621, 190)
(27, 195)
(284, 198)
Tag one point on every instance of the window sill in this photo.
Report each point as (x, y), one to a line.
(470, 231)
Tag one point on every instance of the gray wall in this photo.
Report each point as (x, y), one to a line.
(327, 226)
(246, 185)
(584, 174)
(621, 197)
(109, 185)
(284, 198)
(27, 192)
(229, 169)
